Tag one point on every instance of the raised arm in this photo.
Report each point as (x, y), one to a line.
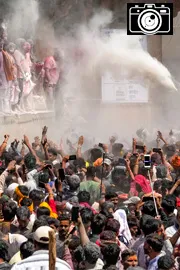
(80, 143)
(175, 186)
(22, 152)
(60, 151)
(112, 140)
(129, 169)
(134, 142)
(165, 163)
(4, 144)
(31, 150)
(14, 146)
(175, 237)
(11, 166)
(82, 232)
(44, 142)
(45, 147)
(136, 165)
(162, 138)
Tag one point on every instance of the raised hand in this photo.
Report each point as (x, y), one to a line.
(134, 141)
(112, 139)
(11, 165)
(105, 148)
(26, 140)
(65, 159)
(6, 137)
(16, 143)
(145, 149)
(44, 142)
(160, 135)
(127, 162)
(81, 140)
(44, 131)
(171, 133)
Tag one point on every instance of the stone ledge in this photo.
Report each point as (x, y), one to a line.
(25, 118)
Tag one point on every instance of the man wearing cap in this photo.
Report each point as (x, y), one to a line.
(40, 258)
(107, 170)
(131, 204)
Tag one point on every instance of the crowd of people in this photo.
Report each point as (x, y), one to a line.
(25, 81)
(105, 208)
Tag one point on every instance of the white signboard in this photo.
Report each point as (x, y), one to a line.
(123, 90)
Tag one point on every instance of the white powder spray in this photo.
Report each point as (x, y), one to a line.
(99, 55)
(22, 22)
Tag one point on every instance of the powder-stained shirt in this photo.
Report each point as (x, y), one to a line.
(93, 188)
(51, 65)
(3, 80)
(21, 62)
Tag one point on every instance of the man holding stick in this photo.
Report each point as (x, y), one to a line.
(43, 257)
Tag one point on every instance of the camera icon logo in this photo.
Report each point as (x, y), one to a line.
(150, 19)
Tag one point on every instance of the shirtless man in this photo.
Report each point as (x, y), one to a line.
(24, 75)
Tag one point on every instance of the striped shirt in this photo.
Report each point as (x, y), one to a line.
(40, 261)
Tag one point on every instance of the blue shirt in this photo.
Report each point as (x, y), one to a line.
(153, 264)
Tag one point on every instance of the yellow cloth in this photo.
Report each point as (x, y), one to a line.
(31, 208)
(16, 258)
(87, 164)
(45, 204)
(19, 194)
(121, 153)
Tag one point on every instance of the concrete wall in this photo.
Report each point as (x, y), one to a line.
(127, 118)
(171, 59)
(171, 49)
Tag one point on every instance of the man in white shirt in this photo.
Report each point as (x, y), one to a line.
(40, 258)
(121, 216)
(174, 231)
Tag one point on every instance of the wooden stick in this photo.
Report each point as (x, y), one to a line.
(102, 174)
(52, 250)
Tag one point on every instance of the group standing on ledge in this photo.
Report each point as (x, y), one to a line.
(25, 83)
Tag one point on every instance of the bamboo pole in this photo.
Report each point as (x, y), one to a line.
(52, 250)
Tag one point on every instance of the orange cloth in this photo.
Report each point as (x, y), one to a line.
(19, 194)
(21, 197)
(31, 208)
(98, 162)
(8, 66)
(175, 162)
